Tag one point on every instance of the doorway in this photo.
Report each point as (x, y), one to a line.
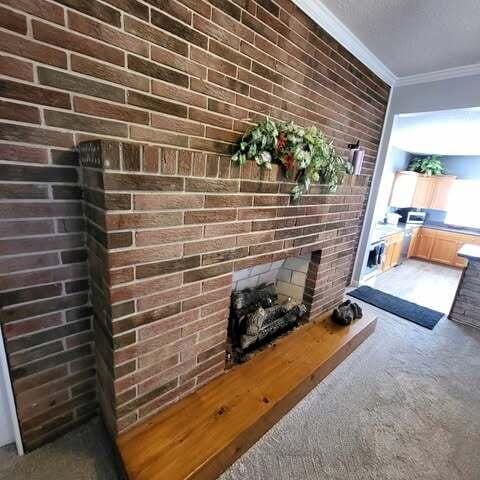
(426, 208)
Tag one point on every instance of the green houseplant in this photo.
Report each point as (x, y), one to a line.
(305, 150)
(431, 165)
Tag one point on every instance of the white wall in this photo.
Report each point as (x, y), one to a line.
(6, 425)
(395, 160)
(461, 92)
(462, 166)
(6, 428)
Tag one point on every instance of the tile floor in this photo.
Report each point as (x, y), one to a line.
(427, 284)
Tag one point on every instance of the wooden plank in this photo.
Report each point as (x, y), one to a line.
(198, 437)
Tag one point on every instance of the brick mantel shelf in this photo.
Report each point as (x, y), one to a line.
(166, 229)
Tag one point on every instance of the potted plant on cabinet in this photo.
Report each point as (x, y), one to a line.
(431, 165)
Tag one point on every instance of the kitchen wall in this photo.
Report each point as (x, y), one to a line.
(467, 167)
(189, 75)
(396, 160)
(452, 93)
(464, 167)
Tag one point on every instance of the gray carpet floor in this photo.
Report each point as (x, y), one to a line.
(83, 454)
(403, 406)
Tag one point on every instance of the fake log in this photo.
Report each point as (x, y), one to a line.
(249, 299)
(265, 322)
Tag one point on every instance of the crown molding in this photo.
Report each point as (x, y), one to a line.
(446, 74)
(329, 22)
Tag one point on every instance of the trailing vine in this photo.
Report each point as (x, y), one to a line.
(295, 148)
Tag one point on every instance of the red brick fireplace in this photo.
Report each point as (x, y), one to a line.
(166, 230)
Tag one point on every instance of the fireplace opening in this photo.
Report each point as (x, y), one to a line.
(266, 301)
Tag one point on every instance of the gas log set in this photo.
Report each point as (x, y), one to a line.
(257, 316)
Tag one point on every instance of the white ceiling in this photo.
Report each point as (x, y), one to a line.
(413, 37)
(450, 132)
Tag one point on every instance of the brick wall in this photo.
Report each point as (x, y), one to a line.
(166, 230)
(185, 74)
(465, 308)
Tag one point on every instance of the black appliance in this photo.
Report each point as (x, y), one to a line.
(375, 257)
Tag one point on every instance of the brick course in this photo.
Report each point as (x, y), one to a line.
(188, 77)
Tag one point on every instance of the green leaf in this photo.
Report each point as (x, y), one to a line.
(431, 165)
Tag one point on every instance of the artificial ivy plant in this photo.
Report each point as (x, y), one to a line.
(431, 165)
(296, 148)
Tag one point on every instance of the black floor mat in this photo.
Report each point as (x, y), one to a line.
(423, 316)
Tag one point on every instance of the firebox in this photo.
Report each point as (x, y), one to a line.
(266, 301)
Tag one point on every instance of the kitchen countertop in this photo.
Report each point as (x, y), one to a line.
(449, 228)
(383, 230)
(472, 252)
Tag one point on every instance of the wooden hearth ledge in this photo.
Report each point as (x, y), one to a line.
(198, 437)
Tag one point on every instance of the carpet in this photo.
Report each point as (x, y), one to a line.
(422, 316)
(403, 406)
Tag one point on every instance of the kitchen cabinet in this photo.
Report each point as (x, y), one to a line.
(423, 194)
(422, 243)
(440, 246)
(441, 190)
(393, 250)
(411, 189)
(443, 250)
(403, 189)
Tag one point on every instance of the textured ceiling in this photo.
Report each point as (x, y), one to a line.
(450, 132)
(414, 36)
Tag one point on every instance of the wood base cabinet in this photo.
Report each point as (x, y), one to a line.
(440, 246)
(443, 250)
(393, 250)
(422, 243)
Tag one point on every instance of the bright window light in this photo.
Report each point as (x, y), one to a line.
(464, 204)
